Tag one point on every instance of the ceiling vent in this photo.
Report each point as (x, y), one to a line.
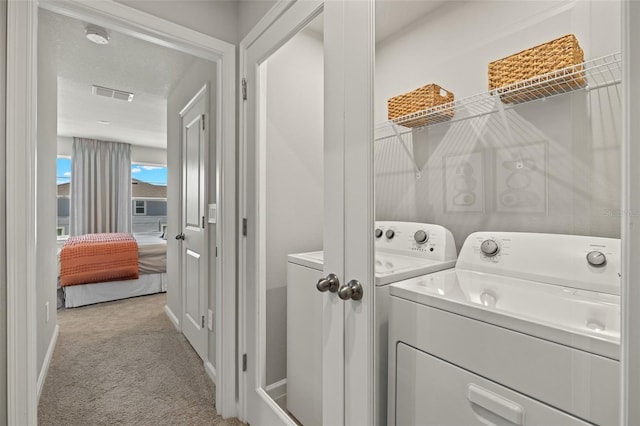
(112, 93)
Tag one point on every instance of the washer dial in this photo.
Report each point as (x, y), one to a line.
(489, 248)
(596, 258)
(378, 233)
(421, 237)
(390, 234)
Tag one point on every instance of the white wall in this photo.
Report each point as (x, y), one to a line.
(3, 224)
(215, 18)
(578, 134)
(249, 13)
(139, 154)
(46, 273)
(199, 74)
(294, 177)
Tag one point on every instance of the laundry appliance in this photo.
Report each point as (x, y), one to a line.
(402, 250)
(525, 330)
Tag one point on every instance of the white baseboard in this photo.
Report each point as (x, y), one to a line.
(172, 317)
(47, 360)
(277, 390)
(211, 371)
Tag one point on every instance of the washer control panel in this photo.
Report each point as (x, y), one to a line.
(590, 263)
(423, 240)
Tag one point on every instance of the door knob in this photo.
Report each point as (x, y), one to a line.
(352, 290)
(180, 236)
(330, 283)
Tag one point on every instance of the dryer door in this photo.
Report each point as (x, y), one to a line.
(434, 392)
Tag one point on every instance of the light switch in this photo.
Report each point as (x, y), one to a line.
(213, 213)
(210, 320)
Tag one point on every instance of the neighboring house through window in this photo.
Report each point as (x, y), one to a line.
(149, 198)
(63, 180)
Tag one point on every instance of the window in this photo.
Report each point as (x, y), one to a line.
(140, 208)
(154, 175)
(63, 180)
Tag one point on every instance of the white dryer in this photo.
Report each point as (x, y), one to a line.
(402, 250)
(525, 330)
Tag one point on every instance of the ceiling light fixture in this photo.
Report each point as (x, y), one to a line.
(105, 122)
(97, 34)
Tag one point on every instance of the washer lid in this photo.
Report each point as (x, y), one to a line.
(313, 260)
(389, 267)
(582, 319)
(392, 267)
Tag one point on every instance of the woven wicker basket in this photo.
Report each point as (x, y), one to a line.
(420, 99)
(551, 56)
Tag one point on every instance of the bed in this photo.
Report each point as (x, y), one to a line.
(138, 268)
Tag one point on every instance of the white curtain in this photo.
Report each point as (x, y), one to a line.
(100, 187)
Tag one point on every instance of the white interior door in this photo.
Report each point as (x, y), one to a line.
(193, 247)
(308, 160)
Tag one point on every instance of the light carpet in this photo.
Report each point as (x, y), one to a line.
(124, 363)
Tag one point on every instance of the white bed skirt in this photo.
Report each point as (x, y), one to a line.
(87, 294)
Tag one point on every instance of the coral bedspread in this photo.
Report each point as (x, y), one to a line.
(95, 258)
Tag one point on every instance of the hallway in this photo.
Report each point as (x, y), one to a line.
(125, 363)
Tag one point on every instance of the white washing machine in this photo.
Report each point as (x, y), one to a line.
(402, 250)
(525, 330)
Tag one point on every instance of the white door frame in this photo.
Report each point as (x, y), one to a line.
(272, 411)
(349, 51)
(22, 18)
(630, 338)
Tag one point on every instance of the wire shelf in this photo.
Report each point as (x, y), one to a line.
(589, 75)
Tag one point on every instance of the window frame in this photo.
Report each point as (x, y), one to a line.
(135, 207)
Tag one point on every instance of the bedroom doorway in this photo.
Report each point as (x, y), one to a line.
(29, 366)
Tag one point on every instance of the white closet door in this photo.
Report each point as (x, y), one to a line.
(345, 206)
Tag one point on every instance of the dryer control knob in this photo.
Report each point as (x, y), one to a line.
(379, 233)
(489, 248)
(421, 237)
(596, 258)
(390, 234)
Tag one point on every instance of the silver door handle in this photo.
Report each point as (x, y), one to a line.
(180, 236)
(352, 290)
(331, 283)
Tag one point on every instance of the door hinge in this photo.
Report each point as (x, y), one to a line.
(203, 321)
(216, 251)
(202, 121)
(244, 89)
(244, 362)
(244, 227)
(202, 222)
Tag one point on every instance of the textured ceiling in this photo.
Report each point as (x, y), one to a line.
(126, 63)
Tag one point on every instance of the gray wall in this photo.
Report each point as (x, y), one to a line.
(249, 13)
(215, 18)
(3, 224)
(294, 177)
(46, 202)
(573, 139)
(199, 74)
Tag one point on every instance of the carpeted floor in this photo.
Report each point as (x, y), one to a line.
(124, 363)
